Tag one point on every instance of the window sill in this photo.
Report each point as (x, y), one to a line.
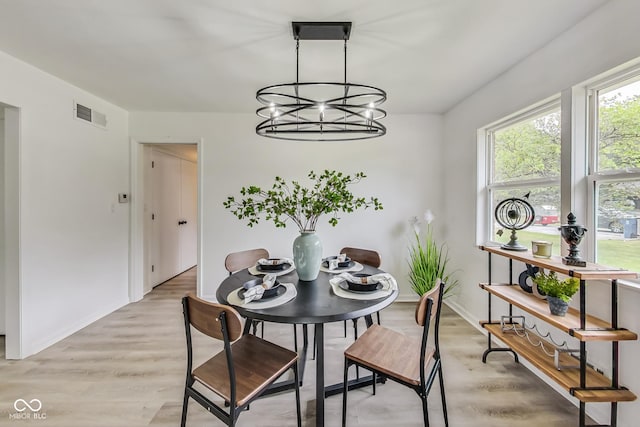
(630, 284)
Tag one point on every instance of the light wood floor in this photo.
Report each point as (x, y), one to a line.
(127, 369)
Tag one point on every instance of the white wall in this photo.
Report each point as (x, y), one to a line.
(2, 267)
(604, 40)
(73, 233)
(403, 170)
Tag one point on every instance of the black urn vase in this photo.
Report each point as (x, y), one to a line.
(573, 233)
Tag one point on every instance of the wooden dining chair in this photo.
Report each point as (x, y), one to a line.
(410, 362)
(238, 374)
(363, 256)
(236, 261)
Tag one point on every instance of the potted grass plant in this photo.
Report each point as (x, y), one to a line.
(428, 260)
(559, 292)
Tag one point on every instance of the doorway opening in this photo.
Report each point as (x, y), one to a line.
(165, 215)
(171, 189)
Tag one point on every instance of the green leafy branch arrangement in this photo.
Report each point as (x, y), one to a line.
(304, 206)
(553, 287)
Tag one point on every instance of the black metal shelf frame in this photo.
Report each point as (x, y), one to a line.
(583, 345)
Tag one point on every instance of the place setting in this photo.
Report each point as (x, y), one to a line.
(340, 264)
(363, 286)
(274, 266)
(262, 292)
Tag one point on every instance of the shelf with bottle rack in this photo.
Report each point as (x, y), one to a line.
(585, 383)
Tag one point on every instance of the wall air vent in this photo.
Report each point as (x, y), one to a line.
(87, 114)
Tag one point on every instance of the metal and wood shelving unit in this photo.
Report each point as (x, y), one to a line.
(585, 383)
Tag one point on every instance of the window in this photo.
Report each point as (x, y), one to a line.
(521, 155)
(614, 172)
(523, 158)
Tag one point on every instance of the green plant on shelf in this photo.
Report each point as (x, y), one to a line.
(554, 287)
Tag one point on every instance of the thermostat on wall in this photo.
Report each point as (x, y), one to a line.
(123, 197)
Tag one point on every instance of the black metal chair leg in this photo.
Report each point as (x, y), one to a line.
(444, 400)
(373, 377)
(185, 405)
(314, 349)
(297, 380)
(345, 389)
(378, 317)
(425, 411)
(355, 337)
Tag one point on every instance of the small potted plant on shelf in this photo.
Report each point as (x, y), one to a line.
(559, 292)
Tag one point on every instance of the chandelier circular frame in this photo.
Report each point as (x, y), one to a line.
(346, 111)
(321, 111)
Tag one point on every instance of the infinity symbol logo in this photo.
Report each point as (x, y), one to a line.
(21, 405)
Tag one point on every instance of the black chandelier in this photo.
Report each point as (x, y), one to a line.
(321, 111)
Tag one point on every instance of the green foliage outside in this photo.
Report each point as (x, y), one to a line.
(531, 150)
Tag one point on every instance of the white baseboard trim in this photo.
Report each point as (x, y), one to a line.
(597, 412)
(33, 347)
(407, 298)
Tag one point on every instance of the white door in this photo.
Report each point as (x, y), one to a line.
(188, 229)
(165, 213)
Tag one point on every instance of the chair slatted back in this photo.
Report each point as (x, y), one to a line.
(421, 308)
(363, 256)
(205, 317)
(236, 261)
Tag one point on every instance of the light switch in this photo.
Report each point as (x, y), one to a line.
(123, 197)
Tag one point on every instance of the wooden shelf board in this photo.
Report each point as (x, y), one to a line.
(570, 323)
(566, 378)
(591, 271)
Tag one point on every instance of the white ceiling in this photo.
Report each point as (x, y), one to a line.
(212, 55)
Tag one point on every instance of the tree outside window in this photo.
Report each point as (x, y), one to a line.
(524, 160)
(616, 174)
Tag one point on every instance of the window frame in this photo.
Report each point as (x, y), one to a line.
(486, 145)
(595, 177)
(579, 178)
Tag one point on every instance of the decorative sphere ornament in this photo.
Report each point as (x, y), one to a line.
(514, 214)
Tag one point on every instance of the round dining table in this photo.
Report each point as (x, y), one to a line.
(315, 304)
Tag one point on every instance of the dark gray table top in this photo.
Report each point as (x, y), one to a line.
(315, 301)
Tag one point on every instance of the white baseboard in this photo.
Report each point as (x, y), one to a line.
(598, 413)
(33, 347)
